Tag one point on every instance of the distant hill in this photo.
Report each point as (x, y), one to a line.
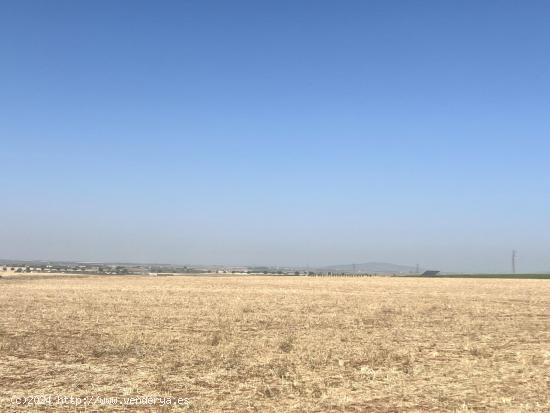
(371, 267)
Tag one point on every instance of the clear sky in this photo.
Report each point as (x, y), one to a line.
(276, 132)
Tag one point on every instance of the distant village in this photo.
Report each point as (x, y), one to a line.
(153, 270)
(132, 269)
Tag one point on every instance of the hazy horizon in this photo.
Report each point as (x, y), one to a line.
(276, 133)
(422, 267)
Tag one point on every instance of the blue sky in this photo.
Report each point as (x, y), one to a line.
(281, 133)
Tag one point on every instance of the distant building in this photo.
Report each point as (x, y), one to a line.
(430, 273)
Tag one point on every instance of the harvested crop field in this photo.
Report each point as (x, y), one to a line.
(276, 344)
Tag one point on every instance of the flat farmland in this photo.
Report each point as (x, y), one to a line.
(275, 344)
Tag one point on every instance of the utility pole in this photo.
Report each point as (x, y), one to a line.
(514, 254)
(417, 269)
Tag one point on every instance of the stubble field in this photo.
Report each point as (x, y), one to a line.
(276, 344)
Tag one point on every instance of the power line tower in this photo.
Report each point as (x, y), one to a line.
(514, 255)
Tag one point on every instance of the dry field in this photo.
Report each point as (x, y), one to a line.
(278, 344)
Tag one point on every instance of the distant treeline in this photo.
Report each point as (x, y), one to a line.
(510, 276)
